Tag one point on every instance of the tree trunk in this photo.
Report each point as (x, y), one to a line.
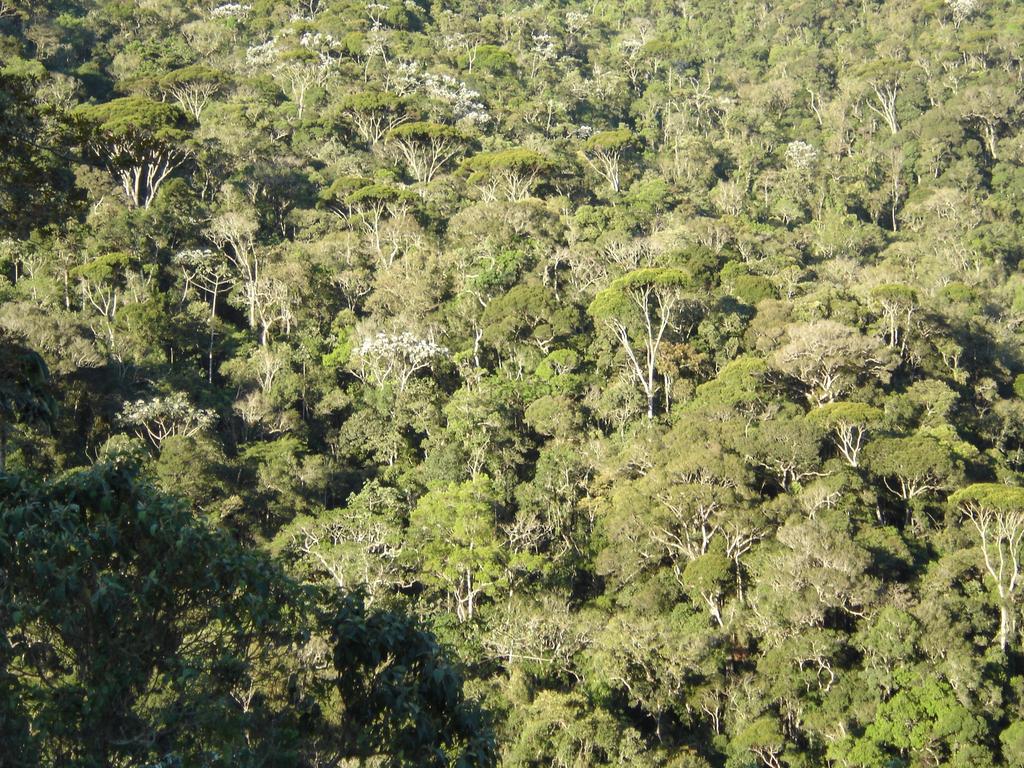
(1005, 625)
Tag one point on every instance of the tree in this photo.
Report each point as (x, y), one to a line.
(386, 358)
(356, 547)
(898, 304)
(483, 436)
(763, 739)
(300, 63)
(924, 721)
(551, 529)
(912, 466)
(962, 10)
(563, 730)
(849, 423)
(639, 309)
(36, 183)
(193, 87)
(453, 532)
(368, 204)
(140, 142)
(404, 701)
(201, 269)
(510, 172)
(996, 515)
(25, 393)
(884, 80)
(529, 314)
(134, 634)
(604, 151)
(990, 103)
(234, 230)
(787, 446)
(158, 418)
(106, 284)
(829, 358)
(426, 147)
(152, 627)
(374, 114)
(1012, 740)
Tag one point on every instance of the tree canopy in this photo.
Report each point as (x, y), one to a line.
(515, 383)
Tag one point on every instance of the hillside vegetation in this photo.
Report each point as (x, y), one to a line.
(611, 383)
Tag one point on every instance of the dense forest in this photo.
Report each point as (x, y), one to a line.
(567, 383)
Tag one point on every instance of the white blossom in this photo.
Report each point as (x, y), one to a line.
(376, 13)
(962, 10)
(545, 46)
(631, 46)
(326, 46)
(800, 155)
(395, 357)
(230, 11)
(575, 21)
(262, 54)
(158, 418)
(405, 78)
(463, 101)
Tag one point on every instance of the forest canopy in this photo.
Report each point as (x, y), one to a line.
(524, 384)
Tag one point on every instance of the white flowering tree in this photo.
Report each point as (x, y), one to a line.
(455, 97)
(800, 156)
(394, 358)
(448, 98)
(962, 10)
(158, 418)
(298, 64)
(230, 11)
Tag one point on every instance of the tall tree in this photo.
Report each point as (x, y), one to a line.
(140, 142)
(995, 513)
(640, 308)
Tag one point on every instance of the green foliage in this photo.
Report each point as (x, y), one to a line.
(135, 119)
(609, 140)
(454, 538)
(995, 496)
(36, 186)
(663, 359)
(130, 630)
(145, 616)
(26, 397)
(921, 718)
(401, 692)
(424, 132)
